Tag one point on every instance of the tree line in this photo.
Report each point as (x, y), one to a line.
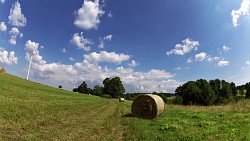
(112, 88)
(213, 92)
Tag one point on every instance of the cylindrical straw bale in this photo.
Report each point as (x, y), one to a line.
(147, 106)
(121, 99)
(2, 71)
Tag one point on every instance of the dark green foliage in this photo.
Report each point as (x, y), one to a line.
(98, 90)
(242, 91)
(248, 92)
(75, 90)
(201, 92)
(83, 88)
(233, 88)
(113, 87)
(206, 95)
(179, 91)
(190, 93)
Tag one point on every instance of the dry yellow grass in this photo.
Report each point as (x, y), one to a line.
(240, 106)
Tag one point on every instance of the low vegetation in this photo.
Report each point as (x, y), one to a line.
(31, 111)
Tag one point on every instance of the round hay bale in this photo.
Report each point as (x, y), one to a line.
(147, 106)
(2, 71)
(121, 99)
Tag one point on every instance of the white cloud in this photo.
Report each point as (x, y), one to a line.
(244, 10)
(187, 46)
(14, 33)
(225, 48)
(31, 48)
(182, 68)
(223, 63)
(189, 60)
(247, 62)
(110, 15)
(16, 18)
(211, 59)
(200, 57)
(91, 71)
(3, 26)
(88, 16)
(8, 58)
(104, 56)
(72, 59)
(2, 1)
(81, 42)
(64, 50)
(101, 45)
(105, 38)
(108, 37)
(133, 64)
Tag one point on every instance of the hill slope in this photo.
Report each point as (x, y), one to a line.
(31, 111)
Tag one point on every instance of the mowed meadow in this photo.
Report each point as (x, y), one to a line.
(32, 111)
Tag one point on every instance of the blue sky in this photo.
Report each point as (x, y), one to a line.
(146, 43)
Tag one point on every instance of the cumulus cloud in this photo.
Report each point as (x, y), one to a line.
(14, 33)
(104, 56)
(223, 63)
(133, 64)
(88, 16)
(3, 26)
(31, 48)
(16, 18)
(91, 71)
(200, 57)
(7, 58)
(244, 10)
(187, 46)
(81, 42)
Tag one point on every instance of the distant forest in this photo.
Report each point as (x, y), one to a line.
(199, 92)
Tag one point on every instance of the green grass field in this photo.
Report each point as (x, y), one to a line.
(31, 111)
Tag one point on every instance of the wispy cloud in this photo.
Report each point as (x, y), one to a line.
(223, 63)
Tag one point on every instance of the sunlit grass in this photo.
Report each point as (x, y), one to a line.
(31, 111)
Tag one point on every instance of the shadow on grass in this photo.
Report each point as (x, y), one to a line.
(128, 115)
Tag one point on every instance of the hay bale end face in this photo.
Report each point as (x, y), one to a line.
(147, 106)
(121, 99)
(2, 71)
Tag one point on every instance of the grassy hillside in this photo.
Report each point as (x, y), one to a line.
(31, 111)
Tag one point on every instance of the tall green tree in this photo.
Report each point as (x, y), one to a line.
(206, 95)
(113, 87)
(83, 88)
(233, 88)
(190, 93)
(248, 92)
(98, 90)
